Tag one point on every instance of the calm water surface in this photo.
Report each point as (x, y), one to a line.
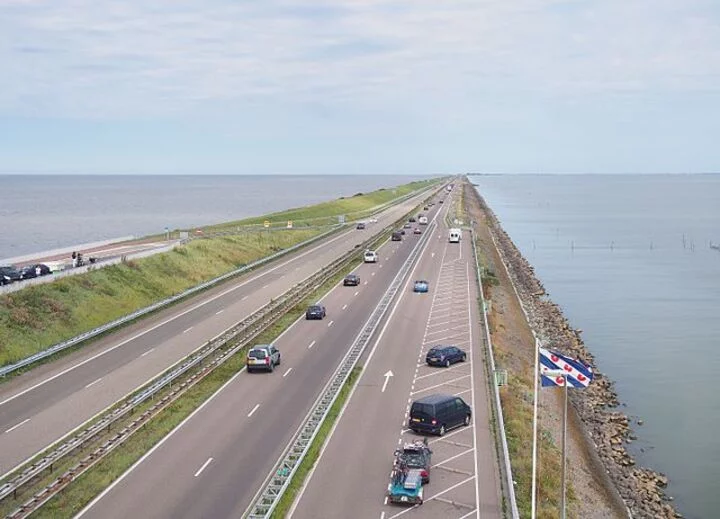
(39, 213)
(628, 260)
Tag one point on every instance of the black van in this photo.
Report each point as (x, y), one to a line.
(436, 414)
(397, 236)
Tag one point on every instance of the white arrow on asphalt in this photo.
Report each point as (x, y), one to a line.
(387, 378)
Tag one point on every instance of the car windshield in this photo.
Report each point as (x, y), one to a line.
(257, 354)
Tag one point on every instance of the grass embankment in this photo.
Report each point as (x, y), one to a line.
(354, 207)
(76, 496)
(37, 317)
(517, 399)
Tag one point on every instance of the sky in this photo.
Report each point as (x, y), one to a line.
(360, 87)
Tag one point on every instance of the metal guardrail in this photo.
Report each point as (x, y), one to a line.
(285, 469)
(237, 336)
(5, 370)
(508, 486)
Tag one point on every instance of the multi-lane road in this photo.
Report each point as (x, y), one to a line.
(351, 477)
(213, 464)
(46, 403)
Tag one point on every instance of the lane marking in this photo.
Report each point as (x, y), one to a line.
(356, 293)
(452, 458)
(244, 298)
(17, 425)
(287, 372)
(253, 410)
(311, 344)
(188, 329)
(148, 352)
(330, 324)
(447, 382)
(265, 286)
(219, 312)
(344, 307)
(93, 383)
(366, 281)
(371, 275)
(203, 467)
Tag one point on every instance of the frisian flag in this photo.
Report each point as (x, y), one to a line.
(578, 374)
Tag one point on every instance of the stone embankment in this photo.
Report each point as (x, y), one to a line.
(608, 429)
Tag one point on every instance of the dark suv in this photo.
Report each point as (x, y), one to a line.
(315, 312)
(444, 356)
(351, 280)
(437, 414)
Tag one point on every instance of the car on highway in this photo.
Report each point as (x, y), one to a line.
(262, 357)
(351, 280)
(35, 270)
(396, 236)
(416, 455)
(412, 219)
(438, 413)
(421, 286)
(373, 220)
(442, 201)
(427, 208)
(316, 311)
(9, 274)
(417, 230)
(445, 356)
(401, 231)
(360, 225)
(370, 256)
(407, 226)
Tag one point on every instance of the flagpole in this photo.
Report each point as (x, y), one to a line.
(534, 441)
(564, 443)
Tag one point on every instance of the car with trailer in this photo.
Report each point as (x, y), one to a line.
(416, 455)
(406, 486)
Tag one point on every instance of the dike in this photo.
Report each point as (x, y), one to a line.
(605, 428)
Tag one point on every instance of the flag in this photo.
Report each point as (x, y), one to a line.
(578, 374)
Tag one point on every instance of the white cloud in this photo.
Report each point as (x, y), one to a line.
(90, 59)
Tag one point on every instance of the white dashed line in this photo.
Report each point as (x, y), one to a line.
(93, 383)
(371, 275)
(253, 410)
(244, 298)
(311, 344)
(330, 324)
(188, 329)
(148, 352)
(219, 312)
(287, 372)
(18, 425)
(366, 281)
(344, 307)
(356, 293)
(265, 286)
(203, 467)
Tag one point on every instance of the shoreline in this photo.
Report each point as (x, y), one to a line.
(605, 428)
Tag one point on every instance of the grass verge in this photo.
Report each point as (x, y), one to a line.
(313, 452)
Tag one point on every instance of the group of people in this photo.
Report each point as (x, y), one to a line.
(78, 260)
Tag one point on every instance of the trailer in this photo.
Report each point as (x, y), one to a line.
(406, 486)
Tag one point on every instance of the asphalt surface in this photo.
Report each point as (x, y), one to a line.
(352, 475)
(46, 403)
(213, 464)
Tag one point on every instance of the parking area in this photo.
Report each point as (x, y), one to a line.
(452, 490)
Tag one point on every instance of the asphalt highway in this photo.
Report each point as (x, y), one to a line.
(213, 464)
(46, 403)
(352, 475)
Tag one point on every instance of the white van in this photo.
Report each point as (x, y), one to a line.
(455, 236)
(422, 220)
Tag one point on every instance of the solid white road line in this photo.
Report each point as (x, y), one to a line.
(17, 425)
(287, 372)
(203, 467)
(253, 410)
(311, 344)
(452, 458)
(148, 352)
(93, 383)
(440, 384)
(188, 330)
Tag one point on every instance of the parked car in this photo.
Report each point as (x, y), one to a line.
(9, 274)
(396, 236)
(316, 311)
(421, 286)
(370, 256)
(445, 356)
(417, 230)
(416, 455)
(351, 280)
(438, 413)
(360, 225)
(263, 357)
(33, 271)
